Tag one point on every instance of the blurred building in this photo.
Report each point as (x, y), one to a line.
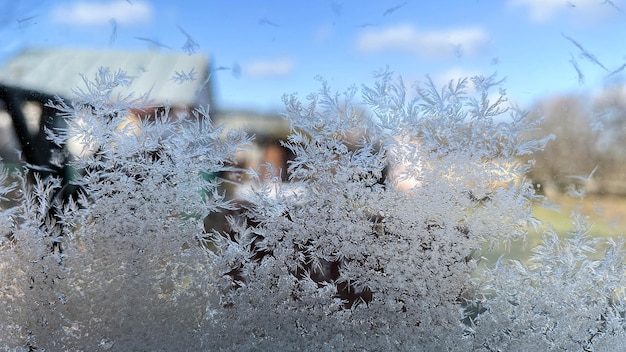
(35, 76)
(268, 130)
(182, 82)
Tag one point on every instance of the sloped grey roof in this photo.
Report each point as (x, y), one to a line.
(58, 71)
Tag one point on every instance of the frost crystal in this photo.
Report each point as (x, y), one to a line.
(369, 245)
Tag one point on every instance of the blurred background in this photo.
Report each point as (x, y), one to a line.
(562, 60)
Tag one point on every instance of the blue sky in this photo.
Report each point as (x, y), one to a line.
(279, 46)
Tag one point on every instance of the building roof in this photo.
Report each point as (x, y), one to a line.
(262, 125)
(58, 72)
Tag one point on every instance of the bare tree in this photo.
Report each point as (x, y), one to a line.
(590, 139)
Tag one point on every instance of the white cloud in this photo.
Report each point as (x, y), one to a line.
(541, 10)
(269, 68)
(84, 13)
(579, 10)
(427, 44)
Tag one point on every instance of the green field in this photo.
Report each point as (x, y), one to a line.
(606, 215)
